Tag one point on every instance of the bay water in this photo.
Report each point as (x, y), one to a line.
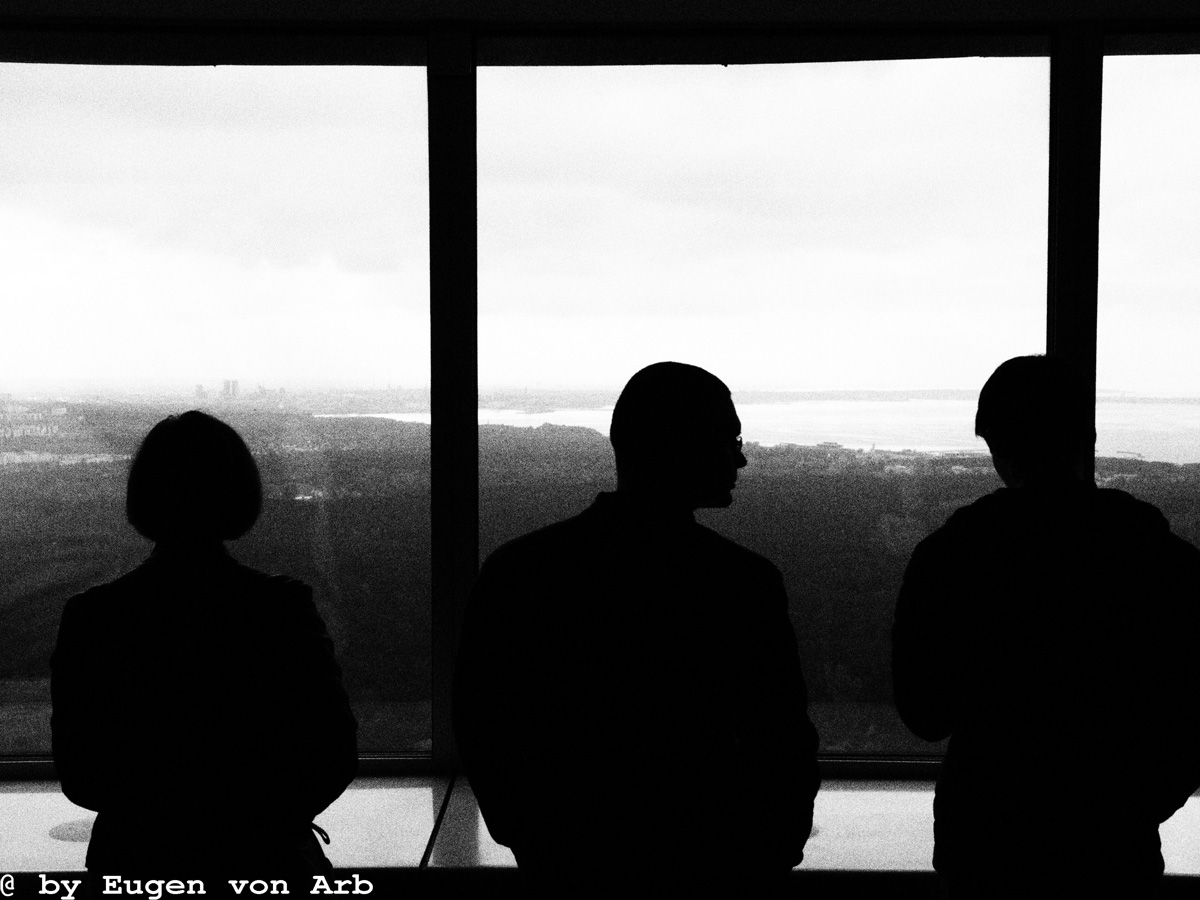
(1151, 430)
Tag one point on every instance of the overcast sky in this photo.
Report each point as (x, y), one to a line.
(849, 225)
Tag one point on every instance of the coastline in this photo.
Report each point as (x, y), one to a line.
(1158, 431)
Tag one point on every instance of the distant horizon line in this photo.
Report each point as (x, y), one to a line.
(489, 397)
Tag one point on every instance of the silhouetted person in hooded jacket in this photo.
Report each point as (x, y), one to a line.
(1048, 630)
(198, 707)
(629, 703)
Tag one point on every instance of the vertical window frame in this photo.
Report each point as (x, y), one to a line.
(454, 358)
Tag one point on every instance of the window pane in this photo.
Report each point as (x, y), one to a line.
(1148, 368)
(852, 247)
(248, 241)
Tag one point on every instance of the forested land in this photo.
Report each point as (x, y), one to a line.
(347, 510)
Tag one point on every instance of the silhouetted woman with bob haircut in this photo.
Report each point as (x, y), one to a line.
(198, 708)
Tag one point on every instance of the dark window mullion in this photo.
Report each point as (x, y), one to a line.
(453, 302)
(1076, 83)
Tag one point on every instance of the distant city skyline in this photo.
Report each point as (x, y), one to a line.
(826, 226)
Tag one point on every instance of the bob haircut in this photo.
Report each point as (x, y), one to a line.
(193, 478)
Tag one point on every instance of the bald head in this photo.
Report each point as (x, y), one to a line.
(675, 431)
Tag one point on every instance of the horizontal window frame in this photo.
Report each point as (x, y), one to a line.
(647, 15)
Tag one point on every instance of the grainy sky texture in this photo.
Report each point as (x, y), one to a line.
(848, 225)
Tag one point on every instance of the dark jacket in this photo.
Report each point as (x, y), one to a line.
(631, 685)
(1049, 632)
(199, 710)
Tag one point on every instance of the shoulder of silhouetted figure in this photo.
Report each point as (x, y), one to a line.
(227, 669)
(611, 628)
(1048, 633)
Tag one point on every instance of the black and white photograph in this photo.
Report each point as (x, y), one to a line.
(643, 449)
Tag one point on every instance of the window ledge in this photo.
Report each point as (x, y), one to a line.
(376, 823)
(864, 830)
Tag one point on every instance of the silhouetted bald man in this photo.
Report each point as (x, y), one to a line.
(1048, 630)
(629, 703)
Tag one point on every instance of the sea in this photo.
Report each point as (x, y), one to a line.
(1150, 430)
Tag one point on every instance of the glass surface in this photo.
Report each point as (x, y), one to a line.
(851, 247)
(247, 241)
(1147, 367)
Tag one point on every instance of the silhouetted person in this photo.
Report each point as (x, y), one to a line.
(1048, 630)
(198, 707)
(629, 703)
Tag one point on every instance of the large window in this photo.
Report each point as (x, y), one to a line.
(1148, 364)
(852, 247)
(247, 241)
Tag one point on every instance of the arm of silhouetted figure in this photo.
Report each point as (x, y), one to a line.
(317, 726)
(89, 739)
(776, 733)
(923, 680)
(484, 728)
(1173, 765)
